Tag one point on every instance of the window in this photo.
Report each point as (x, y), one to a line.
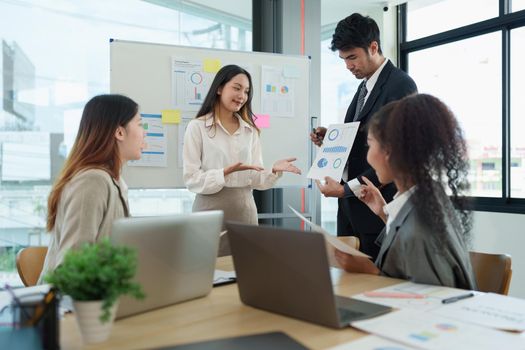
(474, 65)
(517, 113)
(466, 75)
(55, 56)
(518, 5)
(425, 17)
(338, 87)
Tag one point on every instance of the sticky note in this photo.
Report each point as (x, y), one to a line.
(290, 71)
(171, 116)
(262, 121)
(211, 65)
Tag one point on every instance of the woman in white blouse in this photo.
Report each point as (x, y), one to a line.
(222, 150)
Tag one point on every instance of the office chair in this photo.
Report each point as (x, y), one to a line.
(493, 272)
(29, 263)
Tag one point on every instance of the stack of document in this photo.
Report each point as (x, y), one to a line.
(427, 330)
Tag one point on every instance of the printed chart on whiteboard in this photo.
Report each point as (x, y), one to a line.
(155, 151)
(277, 92)
(190, 84)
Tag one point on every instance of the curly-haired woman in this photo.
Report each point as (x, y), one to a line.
(417, 143)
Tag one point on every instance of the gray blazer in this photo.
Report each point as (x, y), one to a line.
(410, 251)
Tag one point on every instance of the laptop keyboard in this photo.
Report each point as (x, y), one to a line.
(346, 315)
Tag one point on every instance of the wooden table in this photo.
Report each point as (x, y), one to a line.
(221, 314)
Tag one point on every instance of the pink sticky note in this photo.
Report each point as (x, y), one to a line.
(262, 121)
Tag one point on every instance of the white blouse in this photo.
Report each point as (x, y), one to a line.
(209, 149)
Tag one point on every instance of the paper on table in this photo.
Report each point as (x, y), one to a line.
(221, 276)
(489, 310)
(427, 330)
(433, 295)
(329, 238)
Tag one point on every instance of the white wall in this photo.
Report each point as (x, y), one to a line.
(503, 233)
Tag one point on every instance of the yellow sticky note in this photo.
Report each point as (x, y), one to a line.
(171, 116)
(212, 65)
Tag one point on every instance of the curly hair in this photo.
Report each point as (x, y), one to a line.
(427, 147)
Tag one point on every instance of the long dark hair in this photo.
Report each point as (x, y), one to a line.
(212, 100)
(95, 145)
(427, 148)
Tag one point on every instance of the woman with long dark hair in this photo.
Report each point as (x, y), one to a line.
(222, 150)
(89, 194)
(417, 143)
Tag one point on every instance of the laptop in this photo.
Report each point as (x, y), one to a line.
(287, 272)
(176, 257)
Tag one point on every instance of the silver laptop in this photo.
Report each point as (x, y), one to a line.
(176, 257)
(287, 272)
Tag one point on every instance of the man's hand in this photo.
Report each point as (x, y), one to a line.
(331, 188)
(317, 135)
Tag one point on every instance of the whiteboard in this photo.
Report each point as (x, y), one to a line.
(143, 71)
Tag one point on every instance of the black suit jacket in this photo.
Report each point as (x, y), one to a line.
(392, 84)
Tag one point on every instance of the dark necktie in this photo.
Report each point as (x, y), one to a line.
(360, 100)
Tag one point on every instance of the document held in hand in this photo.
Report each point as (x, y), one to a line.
(333, 240)
(333, 153)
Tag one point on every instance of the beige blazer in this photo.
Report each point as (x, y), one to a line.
(89, 204)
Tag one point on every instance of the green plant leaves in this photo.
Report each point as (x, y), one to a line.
(97, 271)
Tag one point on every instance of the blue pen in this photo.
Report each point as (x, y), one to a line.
(457, 298)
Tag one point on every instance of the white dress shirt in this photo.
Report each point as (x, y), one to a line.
(354, 184)
(392, 209)
(371, 82)
(209, 149)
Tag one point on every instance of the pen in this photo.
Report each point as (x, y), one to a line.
(456, 298)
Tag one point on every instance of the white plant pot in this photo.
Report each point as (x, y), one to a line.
(88, 320)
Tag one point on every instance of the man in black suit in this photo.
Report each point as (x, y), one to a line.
(356, 39)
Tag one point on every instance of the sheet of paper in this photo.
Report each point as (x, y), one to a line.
(489, 310)
(221, 276)
(372, 342)
(277, 92)
(190, 82)
(432, 296)
(155, 152)
(331, 157)
(336, 243)
(426, 330)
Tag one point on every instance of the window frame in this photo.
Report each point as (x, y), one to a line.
(504, 23)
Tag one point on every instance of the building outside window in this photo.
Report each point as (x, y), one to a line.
(55, 57)
(473, 62)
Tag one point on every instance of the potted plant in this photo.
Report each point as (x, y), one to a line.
(94, 276)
